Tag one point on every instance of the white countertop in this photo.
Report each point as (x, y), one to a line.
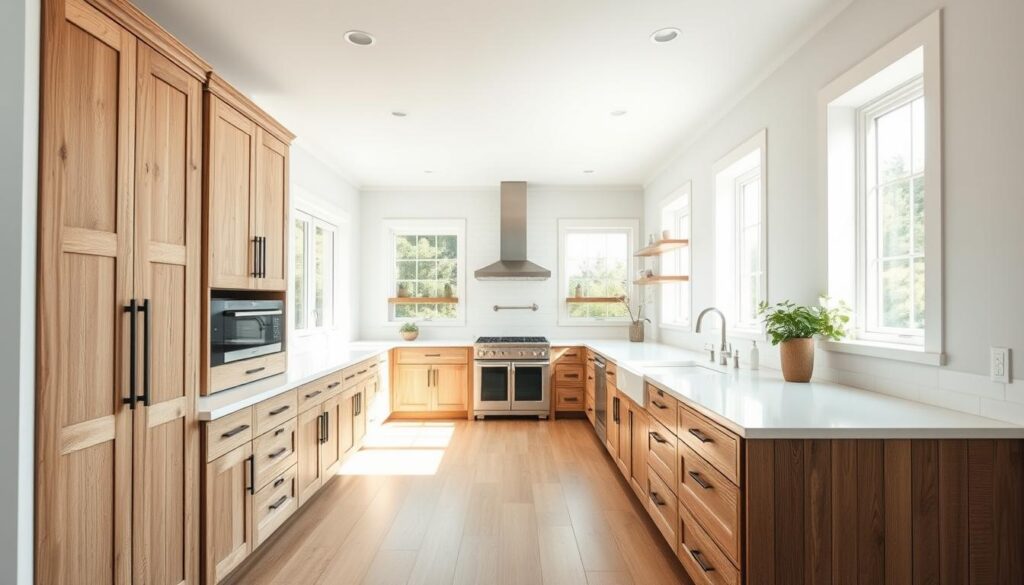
(754, 404)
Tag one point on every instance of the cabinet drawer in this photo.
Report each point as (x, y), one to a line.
(661, 453)
(226, 433)
(274, 411)
(588, 402)
(353, 375)
(313, 393)
(702, 559)
(662, 507)
(431, 355)
(238, 373)
(568, 354)
(569, 399)
(716, 445)
(569, 374)
(274, 504)
(274, 452)
(662, 407)
(712, 499)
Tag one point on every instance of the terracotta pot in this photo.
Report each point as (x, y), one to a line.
(797, 359)
(410, 335)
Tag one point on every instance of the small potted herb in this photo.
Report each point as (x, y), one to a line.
(793, 327)
(409, 331)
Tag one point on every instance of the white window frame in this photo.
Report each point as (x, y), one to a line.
(744, 163)
(629, 226)
(841, 105)
(416, 227)
(314, 220)
(677, 313)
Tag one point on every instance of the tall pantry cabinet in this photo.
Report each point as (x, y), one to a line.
(117, 448)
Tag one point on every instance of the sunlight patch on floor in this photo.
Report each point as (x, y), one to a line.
(401, 448)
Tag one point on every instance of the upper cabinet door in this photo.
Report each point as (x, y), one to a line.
(167, 280)
(231, 180)
(270, 211)
(83, 443)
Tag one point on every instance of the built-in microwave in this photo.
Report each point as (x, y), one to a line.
(242, 329)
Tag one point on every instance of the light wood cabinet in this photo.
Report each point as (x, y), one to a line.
(613, 421)
(450, 387)
(412, 388)
(431, 387)
(337, 435)
(117, 446)
(246, 193)
(638, 447)
(568, 376)
(309, 469)
(228, 513)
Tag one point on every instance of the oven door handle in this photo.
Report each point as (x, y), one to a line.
(257, 313)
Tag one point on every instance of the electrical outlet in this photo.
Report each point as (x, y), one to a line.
(999, 365)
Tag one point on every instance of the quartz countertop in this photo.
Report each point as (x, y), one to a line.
(756, 404)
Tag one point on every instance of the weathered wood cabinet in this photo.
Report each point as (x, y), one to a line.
(117, 446)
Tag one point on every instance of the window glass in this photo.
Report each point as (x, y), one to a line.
(299, 288)
(426, 266)
(313, 244)
(597, 262)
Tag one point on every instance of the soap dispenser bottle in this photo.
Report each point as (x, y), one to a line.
(754, 357)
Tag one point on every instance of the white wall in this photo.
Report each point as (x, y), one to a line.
(983, 131)
(319, 189)
(480, 208)
(19, 123)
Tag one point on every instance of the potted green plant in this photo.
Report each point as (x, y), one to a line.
(793, 328)
(409, 331)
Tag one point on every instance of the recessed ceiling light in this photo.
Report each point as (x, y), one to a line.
(360, 38)
(589, 171)
(665, 35)
(618, 113)
(429, 172)
(398, 114)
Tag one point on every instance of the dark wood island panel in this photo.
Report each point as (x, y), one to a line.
(892, 511)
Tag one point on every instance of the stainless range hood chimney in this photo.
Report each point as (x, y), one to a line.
(513, 264)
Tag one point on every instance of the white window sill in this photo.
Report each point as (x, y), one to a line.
(428, 324)
(676, 326)
(889, 351)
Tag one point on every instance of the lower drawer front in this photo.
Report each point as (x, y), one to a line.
(662, 507)
(702, 559)
(315, 392)
(431, 355)
(237, 373)
(661, 407)
(273, 452)
(227, 433)
(274, 504)
(661, 453)
(712, 499)
(569, 399)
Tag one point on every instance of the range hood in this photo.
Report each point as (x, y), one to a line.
(513, 264)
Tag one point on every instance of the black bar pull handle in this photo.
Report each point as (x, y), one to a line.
(657, 437)
(697, 556)
(659, 405)
(146, 309)
(279, 481)
(133, 333)
(700, 480)
(256, 257)
(278, 411)
(314, 394)
(657, 499)
(334, 385)
(234, 431)
(327, 426)
(255, 370)
(700, 436)
(277, 453)
(252, 474)
(279, 502)
(263, 257)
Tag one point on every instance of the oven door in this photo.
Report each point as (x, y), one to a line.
(531, 387)
(492, 385)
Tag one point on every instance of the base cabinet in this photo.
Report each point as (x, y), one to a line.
(430, 380)
(228, 510)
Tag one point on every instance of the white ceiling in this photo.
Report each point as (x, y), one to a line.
(494, 89)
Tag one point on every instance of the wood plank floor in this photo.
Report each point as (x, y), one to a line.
(471, 503)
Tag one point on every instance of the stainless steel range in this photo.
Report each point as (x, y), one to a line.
(511, 376)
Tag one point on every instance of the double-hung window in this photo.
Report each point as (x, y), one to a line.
(675, 296)
(313, 249)
(595, 265)
(883, 159)
(740, 233)
(891, 201)
(425, 272)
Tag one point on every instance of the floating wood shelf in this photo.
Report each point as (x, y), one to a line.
(593, 299)
(661, 247)
(663, 279)
(422, 300)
